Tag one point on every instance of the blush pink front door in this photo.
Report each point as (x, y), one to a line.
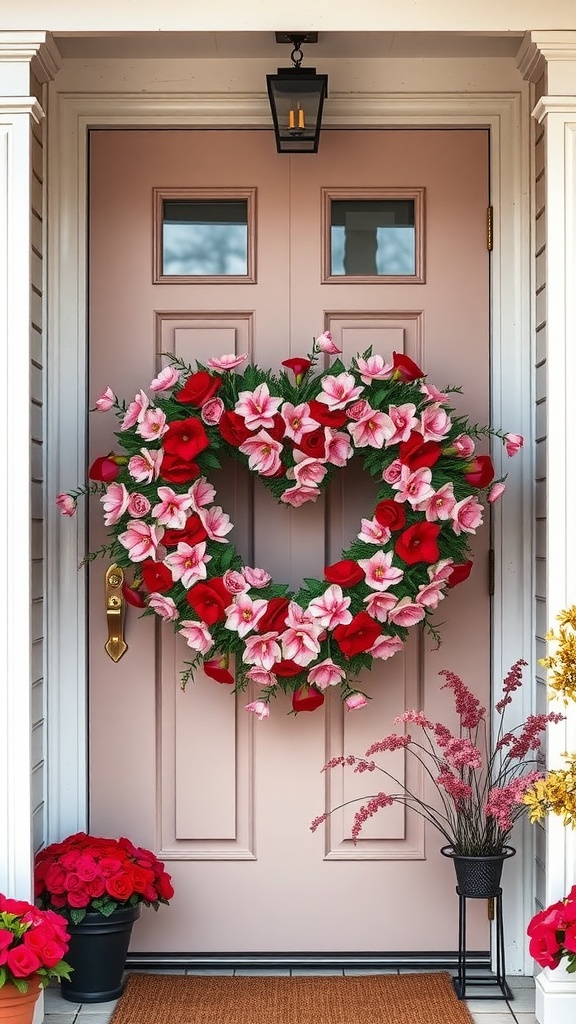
(224, 799)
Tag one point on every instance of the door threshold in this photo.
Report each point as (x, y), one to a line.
(307, 961)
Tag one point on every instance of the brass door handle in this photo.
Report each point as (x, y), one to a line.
(115, 645)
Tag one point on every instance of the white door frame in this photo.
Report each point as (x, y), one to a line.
(70, 118)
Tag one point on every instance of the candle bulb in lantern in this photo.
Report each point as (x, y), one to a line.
(291, 120)
(301, 118)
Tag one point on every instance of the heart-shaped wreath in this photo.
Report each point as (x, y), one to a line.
(293, 429)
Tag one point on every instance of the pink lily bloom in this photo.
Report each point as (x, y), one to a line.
(114, 502)
(386, 646)
(298, 420)
(244, 614)
(298, 495)
(263, 453)
(67, 504)
(105, 401)
(257, 407)
(513, 443)
(441, 570)
(373, 532)
(308, 472)
(166, 379)
(379, 571)
(171, 510)
(297, 616)
(400, 421)
(152, 425)
(496, 491)
(430, 594)
(261, 676)
(463, 446)
(216, 523)
(355, 701)
(440, 505)
(212, 411)
(414, 487)
(379, 604)
(371, 430)
(188, 563)
(135, 411)
(406, 613)
(257, 578)
(338, 447)
(325, 343)
(467, 515)
(331, 608)
(262, 651)
(435, 423)
(374, 368)
(163, 606)
(433, 394)
(197, 635)
(339, 391)
(300, 644)
(325, 674)
(227, 362)
(141, 540)
(144, 468)
(202, 493)
(259, 707)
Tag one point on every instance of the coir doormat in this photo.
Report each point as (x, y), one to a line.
(362, 999)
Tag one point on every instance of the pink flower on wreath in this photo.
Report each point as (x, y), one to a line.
(379, 604)
(373, 532)
(371, 430)
(467, 515)
(400, 421)
(496, 491)
(513, 443)
(105, 401)
(463, 446)
(373, 368)
(331, 608)
(202, 493)
(172, 509)
(259, 708)
(263, 453)
(188, 563)
(325, 343)
(235, 582)
(440, 504)
(145, 468)
(244, 614)
(166, 379)
(339, 391)
(261, 676)
(430, 594)
(441, 570)
(433, 394)
(414, 487)
(325, 674)
(197, 635)
(379, 571)
(435, 423)
(338, 447)
(211, 412)
(141, 540)
(152, 425)
(307, 472)
(138, 506)
(257, 407)
(67, 504)
(355, 701)
(406, 613)
(299, 495)
(257, 578)
(298, 420)
(300, 640)
(135, 411)
(262, 650)
(216, 522)
(163, 606)
(358, 409)
(227, 362)
(392, 472)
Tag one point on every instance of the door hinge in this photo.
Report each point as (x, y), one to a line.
(491, 572)
(489, 227)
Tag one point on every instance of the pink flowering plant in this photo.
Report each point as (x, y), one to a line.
(478, 787)
(33, 944)
(295, 430)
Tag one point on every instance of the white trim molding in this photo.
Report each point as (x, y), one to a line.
(71, 117)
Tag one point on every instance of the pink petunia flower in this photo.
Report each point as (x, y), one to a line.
(467, 515)
(263, 453)
(262, 651)
(325, 343)
(435, 423)
(216, 523)
(188, 563)
(227, 362)
(257, 407)
(197, 635)
(331, 608)
(135, 411)
(414, 487)
(338, 391)
(433, 394)
(400, 421)
(114, 502)
(163, 606)
(105, 401)
(261, 676)
(202, 493)
(307, 472)
(67, 504)
(338, 449)
(166, 379)
(373, 532)
(152, 425)
(379, 604)
(171, 510)
(440, 504)
(513, 443)
(145, 468)
(259, 708)
(371, 430)
(141, 540)
(406, 613)
(325, 674)
(374, 368)
(430, 594)
(298, 420)
(379, 571)
(298, 495)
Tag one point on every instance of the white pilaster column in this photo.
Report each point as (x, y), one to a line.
(553, 54)
(24, 57)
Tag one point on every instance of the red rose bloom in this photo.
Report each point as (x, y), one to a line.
(418, 454)
(419, 543)
(157, 577)
(405, 368)
(198, 389)
(133, 596)
(480, 472)
(233, 428)
(209, 600)
(177, 470)
(286, 669)
(278, 429)
(105, 469)
(459, 574)
(307, 698)
(120, 887)
(185, 438)
(390, 513)
(327, 417)
(346, 573)
(22, 961)
(274, 618)
(164, 886)
(358, 635)
(313, 443)
(193, 533)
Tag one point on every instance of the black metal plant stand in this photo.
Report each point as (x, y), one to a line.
(495, 981)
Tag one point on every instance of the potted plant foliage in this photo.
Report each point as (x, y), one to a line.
(33, 944)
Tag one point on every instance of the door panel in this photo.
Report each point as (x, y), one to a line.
(224, 799)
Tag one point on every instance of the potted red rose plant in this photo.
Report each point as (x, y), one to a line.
(33, 944)
(99, 885)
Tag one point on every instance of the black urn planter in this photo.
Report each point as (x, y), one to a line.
(97, 954)
(478, 877)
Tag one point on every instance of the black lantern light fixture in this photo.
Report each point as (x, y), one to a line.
(296, 98)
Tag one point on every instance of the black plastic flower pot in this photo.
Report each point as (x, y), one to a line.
(97, 954)
(478, 877)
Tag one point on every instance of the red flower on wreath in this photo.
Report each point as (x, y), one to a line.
(186, 438)
(177, 470)
(390, 513)
(157, 577)
(358, 635)
(346, 573)
(233, 428)
(418, 454)
(307, 698)
(198, 389)
(406, 368)
(480, 472)
(209, 600)
(419, 543)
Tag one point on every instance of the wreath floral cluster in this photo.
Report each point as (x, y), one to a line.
(295, 430)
